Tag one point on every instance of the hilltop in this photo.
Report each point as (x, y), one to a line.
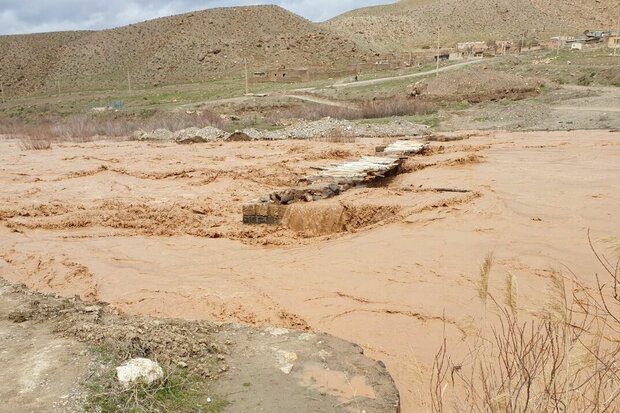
(413, 23)
(192, 47)
(213, 44)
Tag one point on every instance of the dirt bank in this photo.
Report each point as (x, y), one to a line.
(155, 229)
(55, 348)
(475, 86)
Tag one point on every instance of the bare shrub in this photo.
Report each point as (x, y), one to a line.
(564, 360)
(369, 109)
(313, 111)
(29, 143)
(85, 127)
(178, 121)
(395, 106)
(36, 138)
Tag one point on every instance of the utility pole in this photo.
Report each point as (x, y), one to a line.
(247, 82)
(2, 90)
(522, 42)
(129, 81)
(616, 44)
(557, 53)
(438, 52)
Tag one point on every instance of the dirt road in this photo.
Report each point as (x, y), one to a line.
(371, 82)
(321, 101)
(155, 229)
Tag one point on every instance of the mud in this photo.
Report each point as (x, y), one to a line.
(392, 268)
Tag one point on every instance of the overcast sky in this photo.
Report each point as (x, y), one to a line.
(35, 16)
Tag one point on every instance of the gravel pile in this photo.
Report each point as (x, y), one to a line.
(329, 127)
(324, 128)
(196, 135)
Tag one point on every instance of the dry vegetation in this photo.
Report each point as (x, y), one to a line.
(368, 109)
(565, 359)
(188, 48)
(86, 127)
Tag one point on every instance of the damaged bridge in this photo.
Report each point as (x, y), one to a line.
(331, 181)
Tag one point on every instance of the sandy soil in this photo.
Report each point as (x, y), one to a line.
(155, 230)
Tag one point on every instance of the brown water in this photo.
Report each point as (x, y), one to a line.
(157, 231)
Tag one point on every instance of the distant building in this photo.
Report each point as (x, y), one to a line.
(599, 36)
(577, 46)
(477, 49)
(613, 41)
(503, 46)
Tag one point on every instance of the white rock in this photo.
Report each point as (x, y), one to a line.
(139, 369)
(276, 331)
(306, 336)
(287, 368)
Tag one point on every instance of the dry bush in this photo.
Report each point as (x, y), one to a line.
(177, 121)
(313, 111)
(370, 109)
(395, 106)
(85, 127)
(36, 138)
(564, 360)
(28, 143)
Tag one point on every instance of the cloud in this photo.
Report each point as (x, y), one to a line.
(36, 16)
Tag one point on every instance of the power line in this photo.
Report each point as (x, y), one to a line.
(438, 51)
(247, 82)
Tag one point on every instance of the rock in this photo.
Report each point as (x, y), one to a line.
(286, 369)
(159, 135)
(248, 134)
(239, 136)
(196, 135)
(139, 369)
(286, 360)
(276, 331)
(138, 135)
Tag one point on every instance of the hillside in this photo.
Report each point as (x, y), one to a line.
(179, 49)
(413, 23)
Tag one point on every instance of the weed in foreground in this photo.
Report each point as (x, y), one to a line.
(178, 391)
(564, 360)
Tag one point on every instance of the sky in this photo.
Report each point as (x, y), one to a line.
(36, 16)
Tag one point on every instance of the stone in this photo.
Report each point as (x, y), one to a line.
(92, 309)
(159, 135)
(276, 331)
(287, 368)
(196, 135)
(139, 370)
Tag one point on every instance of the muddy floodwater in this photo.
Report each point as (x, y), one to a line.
(155, 229)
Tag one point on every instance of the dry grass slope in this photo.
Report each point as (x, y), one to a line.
(413, 23)
(192, 47)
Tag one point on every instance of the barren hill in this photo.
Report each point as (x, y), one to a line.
(413, 23)
(185, 48)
